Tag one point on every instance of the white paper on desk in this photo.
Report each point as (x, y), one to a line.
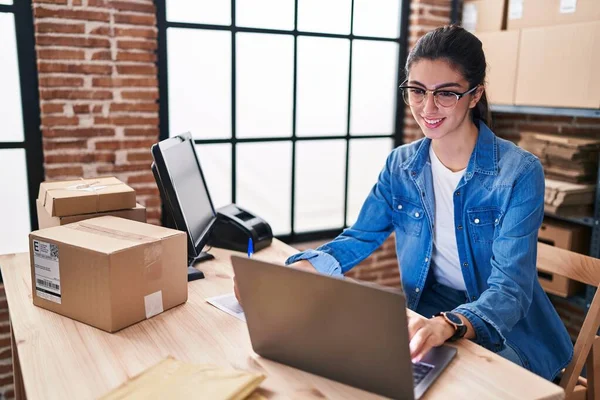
(229, 304)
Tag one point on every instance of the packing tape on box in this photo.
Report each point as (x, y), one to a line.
(87, 187)
(91, 187)
(152, 253)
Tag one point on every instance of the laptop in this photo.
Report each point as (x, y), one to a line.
(343, 330)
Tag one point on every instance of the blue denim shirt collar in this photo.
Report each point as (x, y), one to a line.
(484, 158)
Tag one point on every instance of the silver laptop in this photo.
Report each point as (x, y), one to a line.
(343, 330)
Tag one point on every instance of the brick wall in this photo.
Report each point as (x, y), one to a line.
(98, 91)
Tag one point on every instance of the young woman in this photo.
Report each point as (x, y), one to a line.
(466, 207)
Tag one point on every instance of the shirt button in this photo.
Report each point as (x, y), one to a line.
(413, 173)
(417, 214)
(458, 193)
(473, 297)
(496, 220)
(426, 259)
(417, 290)
(399, 206)
(476, 220)
(465, 264)
(459, 227)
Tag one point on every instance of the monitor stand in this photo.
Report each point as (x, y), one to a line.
(193, 273)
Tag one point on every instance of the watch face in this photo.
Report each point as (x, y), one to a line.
(454, 318)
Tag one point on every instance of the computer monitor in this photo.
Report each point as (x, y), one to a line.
(185, 194)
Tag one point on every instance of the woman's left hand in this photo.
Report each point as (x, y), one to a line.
(424, 334)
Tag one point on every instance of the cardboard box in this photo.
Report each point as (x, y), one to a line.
(558, 66)
(566, 236)
(108, 272)
(86, 196)
(484, 15)
(536, 13)
(501, 54)
(45, 220)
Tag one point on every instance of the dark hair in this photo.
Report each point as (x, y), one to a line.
(463, 51)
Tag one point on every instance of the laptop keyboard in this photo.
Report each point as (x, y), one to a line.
(420, 370)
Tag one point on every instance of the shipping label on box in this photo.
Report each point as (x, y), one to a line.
(86, 196)
(47, 271)
(515, 9)
(568, 6)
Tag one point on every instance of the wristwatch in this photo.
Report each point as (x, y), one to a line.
(460, 329)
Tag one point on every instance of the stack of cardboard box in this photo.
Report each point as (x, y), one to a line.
(90, 265)
(539, 52)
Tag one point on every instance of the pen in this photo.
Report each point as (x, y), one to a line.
(250, 247)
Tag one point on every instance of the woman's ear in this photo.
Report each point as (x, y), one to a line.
(476, 96)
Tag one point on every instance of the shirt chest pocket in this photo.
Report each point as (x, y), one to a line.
(484, 223)
(408, 216)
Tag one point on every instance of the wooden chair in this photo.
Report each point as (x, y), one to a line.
(587, 347)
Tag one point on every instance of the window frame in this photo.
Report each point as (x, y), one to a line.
(397, 135)
(30, 102)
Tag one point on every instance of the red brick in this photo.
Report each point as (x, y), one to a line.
(78, 132)
(126, 121)
(97, 109)
(55, 54)
(84, 15)
(53, 1)
(142, 178)
(102, 55)
(151, 201)
(55, 172)
(137, 69)
(539, 127)
(70, 41)
(51, 27)
(60, 81)
(586, 120)
(4, 354)
(64, 144)
(133, 107)
(140, 95)
(79, 158)
(145, 156)
(137, 44)
(144, 191)
(153, 132)
(81, 108)
(5, 342)
(136, 57)
(135, 19)
(101, 31)
(52, 94)
(77, 2)
(9, 394)
(551, 118)
(59, 120)
(111, 169)
(52, 108)
(135, 32)
(125, 82)
(124, 144)
(96, 69)
(131, 6)
(7, 380)
(581, 130)
(153, 214)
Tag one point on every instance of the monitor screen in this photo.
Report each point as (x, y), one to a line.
(190, 189)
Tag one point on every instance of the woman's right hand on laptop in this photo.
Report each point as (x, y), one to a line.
(302, 264)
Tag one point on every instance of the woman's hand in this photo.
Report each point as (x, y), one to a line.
(302, 264)
(424, 334)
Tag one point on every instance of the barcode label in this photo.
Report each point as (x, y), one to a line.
(48, 284)
(47, 271)
(568, 6)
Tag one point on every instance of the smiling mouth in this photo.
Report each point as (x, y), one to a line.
(433, 123)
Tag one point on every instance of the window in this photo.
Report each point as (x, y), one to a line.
(293, 104)
(21, 169)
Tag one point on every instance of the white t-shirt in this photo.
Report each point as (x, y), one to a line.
(445, 262)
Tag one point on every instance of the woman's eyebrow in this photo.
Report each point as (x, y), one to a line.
(443, 85)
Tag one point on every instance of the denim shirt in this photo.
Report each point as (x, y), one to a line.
(498, 209)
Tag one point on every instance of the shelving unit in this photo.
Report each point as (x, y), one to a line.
(592, 222)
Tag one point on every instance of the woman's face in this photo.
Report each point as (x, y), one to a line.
(437, 121)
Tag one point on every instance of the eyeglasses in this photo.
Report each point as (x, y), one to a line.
(414, 96)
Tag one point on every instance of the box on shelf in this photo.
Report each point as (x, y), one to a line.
(85, 196)
(484, 15)
(534, 13)
(45, 220)
(501, 54)
(565, 236)
(558, 66)
(108, 272)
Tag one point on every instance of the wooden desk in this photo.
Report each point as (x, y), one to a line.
(64, 359)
